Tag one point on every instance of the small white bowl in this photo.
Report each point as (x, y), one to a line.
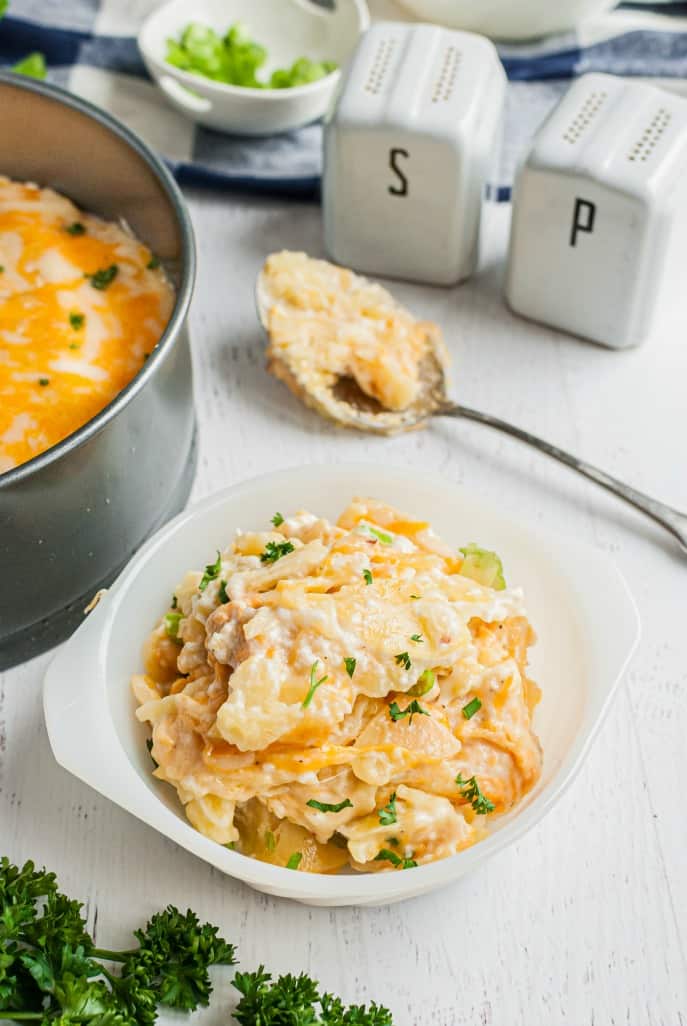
(288, 29)
(586, 622)
(508, 19)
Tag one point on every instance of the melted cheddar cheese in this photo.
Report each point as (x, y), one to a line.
(341, 691)
(70, 338)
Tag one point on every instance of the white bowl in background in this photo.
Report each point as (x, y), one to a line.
(508, 19)
(288, 29)
(586, 621)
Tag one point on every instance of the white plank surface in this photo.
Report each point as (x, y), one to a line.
(585, 920)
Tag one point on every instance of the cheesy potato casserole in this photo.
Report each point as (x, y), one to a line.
(352, 694)
(82, 304)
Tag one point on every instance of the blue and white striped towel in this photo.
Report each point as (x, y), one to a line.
(90, 48)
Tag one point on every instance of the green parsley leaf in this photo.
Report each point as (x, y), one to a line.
(103, 278)
(153, 263)
(43, 382)
(277, 519)
(425, 683)
(77, 320)
(387, 815)
(470, 791)
(471, 708)
(75, 229)
(314, 684)
(222, 593)
(324, 807)
(350, 664)
(294, 860)
(270, 841)
(387, 855)
(396, 713)
(367, 574)
(417, 638)
(403, 659)
(212, 572)
(172, 626)
(275, 550)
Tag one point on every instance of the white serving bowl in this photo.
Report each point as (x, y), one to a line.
(508, 19)
(585, 619)
(288, 29)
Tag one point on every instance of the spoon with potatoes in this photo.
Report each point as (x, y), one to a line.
(350, 352)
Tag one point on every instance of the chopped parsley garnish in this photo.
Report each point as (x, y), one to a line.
(149, 746)
(470, 790)
(367, 574)
(350, 664)
(75, 229)
(212, 572)
(43, 382)
(77, 320)
(387, 815)
(174, 602)
(425, 683)
(74, 345)
(380, 536)
(471, 708)
(223, 597)
(277, 519)
(294, 860)
(153, 263)
(172, 625)
(275, 550)
(325, 807)
(270, 840)
(103, 278)
(387, 855)
(417, 638)
(314, 684)
(403, 659)
(396, 713)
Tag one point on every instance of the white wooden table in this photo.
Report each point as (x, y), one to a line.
(582, 922)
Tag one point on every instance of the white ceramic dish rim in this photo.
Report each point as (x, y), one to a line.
(114, 777)
(199, 83)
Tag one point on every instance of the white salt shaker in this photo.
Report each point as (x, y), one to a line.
(599, 233)
(407, 151)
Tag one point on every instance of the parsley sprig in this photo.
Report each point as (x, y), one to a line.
(414, 709)
(387, 855)
(470, 790)
(314, 684)
(212, 572)
(275, 550)
(350, 663)
(297, 1001)
(403, 659)
(387, 815)
(326, 807)
(51, 971)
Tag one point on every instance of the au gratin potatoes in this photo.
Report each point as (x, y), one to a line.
(352, 694)
(82, 304)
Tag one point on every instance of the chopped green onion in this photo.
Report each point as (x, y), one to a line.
(270, 841)
(425, 683)
(223, 597)
(367, 574)
(43, 382)
(294, 860)
(471, 708)
(77, 320)
(75, 229)
(33, 66)
(396, 713)
(417, 638)
(153, 263)
(386, 855)
(172, 625)
(103, 278)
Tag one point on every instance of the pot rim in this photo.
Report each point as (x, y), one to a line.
(184, 290)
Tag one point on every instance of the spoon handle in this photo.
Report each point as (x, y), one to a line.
(671, 519)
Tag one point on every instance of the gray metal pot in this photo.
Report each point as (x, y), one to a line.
(71, 517)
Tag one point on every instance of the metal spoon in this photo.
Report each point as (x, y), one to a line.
(345, 403)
